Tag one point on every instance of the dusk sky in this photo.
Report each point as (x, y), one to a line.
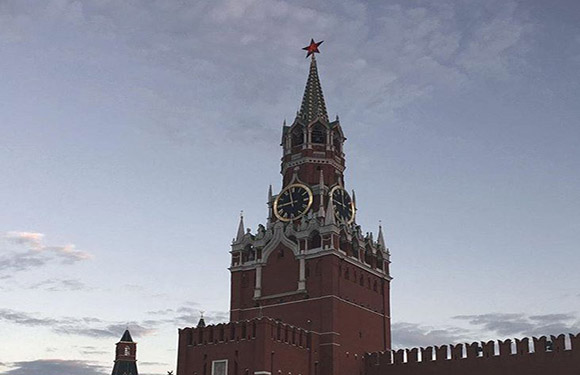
(132, 134)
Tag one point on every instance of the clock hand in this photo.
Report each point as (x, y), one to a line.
(285, 204)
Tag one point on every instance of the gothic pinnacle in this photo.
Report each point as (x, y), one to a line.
(381, 238)
(270, 203)
(329, 219)
(241, 232)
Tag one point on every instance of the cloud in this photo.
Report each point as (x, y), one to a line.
(28, 239)
(387, 56)
(415, 335)
(188, 315)
(26, 250)
(110, 330)
(60, 285)
(153, 364)
(92, 350)
(484, 327)
(56, 367)
(519, 324)
(80, 326)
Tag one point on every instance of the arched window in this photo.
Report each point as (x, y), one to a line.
(368, 256)
(315, 240)
(337, 141)
(127, 351)
(298, 136)
(344, 244)
(355, 248)
(380, 261)
(318, 134)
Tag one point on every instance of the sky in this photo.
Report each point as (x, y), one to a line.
(132, 133)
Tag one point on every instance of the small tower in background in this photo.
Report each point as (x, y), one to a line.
(126, 356)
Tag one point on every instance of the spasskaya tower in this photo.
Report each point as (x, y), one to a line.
(309, 289)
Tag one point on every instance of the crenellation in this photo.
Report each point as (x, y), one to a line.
(505, 347)
(427, 354)
(399, 356)
(477, 352)
(540, 344)
(441, 353)
(575, 341)
(456, 351)
(488, 349)
(523, 346)
(412, 355)
(558, 343)
(473, 350)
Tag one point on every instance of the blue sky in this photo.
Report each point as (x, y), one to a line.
(132, 133)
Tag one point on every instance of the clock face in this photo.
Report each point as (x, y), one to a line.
(343, 206)
(293, 202)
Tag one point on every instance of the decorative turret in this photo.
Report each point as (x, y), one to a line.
(125, 356)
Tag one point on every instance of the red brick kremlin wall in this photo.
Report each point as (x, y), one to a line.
(260, 345)
(553, 357)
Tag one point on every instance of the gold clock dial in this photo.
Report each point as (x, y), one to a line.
(343, 205)
(293, 202)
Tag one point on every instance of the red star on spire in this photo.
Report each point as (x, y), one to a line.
(312, 48)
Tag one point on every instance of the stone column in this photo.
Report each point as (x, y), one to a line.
(302, 275)
(258, 288)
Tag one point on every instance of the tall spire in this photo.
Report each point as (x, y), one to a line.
(313, 105)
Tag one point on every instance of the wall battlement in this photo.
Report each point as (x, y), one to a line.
(247, 330)
(504, 355)
(260, 345)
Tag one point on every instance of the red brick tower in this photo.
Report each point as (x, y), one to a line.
(310, 277)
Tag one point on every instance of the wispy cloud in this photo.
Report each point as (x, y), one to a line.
(484, 327)
(93, 350)
(80, 326)
(188, 315)
(27, 250)
(521, 324)
(55, 367)
(386, 55)
(60, 285)
(412, 335)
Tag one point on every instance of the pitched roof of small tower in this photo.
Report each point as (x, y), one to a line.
(126, 336)
(201, 322)
(313, 105)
